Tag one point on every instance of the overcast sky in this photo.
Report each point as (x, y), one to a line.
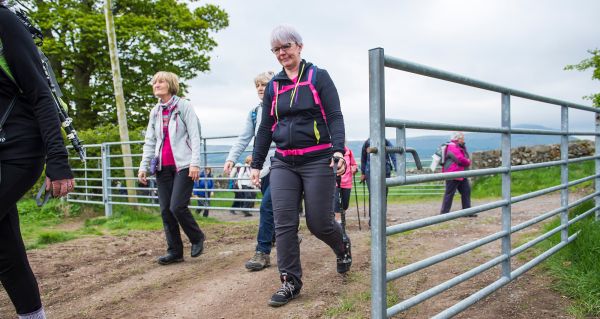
(515, 43)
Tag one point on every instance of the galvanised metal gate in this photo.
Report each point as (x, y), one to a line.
(378, 122)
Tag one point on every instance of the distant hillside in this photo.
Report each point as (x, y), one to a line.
(426, 145)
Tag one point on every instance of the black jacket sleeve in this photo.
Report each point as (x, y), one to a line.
(264, 135)
(331, 103)
(23, 59)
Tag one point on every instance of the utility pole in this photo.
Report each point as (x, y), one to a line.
(120, 100)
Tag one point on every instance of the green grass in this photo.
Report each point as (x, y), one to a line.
(531, 180)
(576, 266)
(50, 224)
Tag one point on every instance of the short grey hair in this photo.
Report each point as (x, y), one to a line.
(263, 77)
(284, 34)
(456, 135)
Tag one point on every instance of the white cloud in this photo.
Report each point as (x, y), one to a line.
(519, 44)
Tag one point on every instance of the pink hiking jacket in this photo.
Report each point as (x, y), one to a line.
(352, 167)
(456, 160)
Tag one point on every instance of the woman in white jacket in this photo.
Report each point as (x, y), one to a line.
(172, 151)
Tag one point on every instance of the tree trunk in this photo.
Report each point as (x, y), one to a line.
(121, 113)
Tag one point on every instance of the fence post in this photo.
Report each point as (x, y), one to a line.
(506, 187)
(597, 162)
(106, 192)
(564, 171)
(377, 183)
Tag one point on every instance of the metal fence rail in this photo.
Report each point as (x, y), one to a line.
(378, 61)
(101, 180)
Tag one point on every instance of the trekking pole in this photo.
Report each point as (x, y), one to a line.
(356, 200)
(364, 200)
(338, 187)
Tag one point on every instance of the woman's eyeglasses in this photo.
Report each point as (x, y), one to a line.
(283, 47)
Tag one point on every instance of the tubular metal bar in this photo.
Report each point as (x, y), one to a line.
(530, 264)
(536, 165)
(597, 165)
(564, 171)
(506, 184)
(414, 179)
(467, 302)
(537, 240)
(377, 203)
(86, 169)
(419, 223)
(582, 180)
(121, 155)
(409, 269)
(85, 201)
(582, 215)
(537, 193)
(544, 191)
(460, 79)
(85, 194)
(535, 220)
(88, 187)
(89, 179)
(123, 142)
(400, 123)
(406, 304)
(583, 199)
(583, 159)
(586, 133)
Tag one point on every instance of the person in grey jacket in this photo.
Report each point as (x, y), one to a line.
(266, 224)
(173, 138)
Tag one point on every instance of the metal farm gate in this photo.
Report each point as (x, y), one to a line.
(378, 61)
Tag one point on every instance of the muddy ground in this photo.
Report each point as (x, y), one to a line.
(117, 276)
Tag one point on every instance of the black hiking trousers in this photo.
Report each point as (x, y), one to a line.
(16, 178)
(288, 182)
(174, 192)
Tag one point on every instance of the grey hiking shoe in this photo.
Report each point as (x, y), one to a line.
(259, 261)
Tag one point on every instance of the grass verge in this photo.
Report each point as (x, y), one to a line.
(576, 266)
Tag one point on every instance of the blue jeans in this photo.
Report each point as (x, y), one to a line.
(266, 224)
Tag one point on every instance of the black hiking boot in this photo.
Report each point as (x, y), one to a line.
(289, 290)
(344, 261)
(169, 259)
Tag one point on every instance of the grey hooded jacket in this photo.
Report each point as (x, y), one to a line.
(184, 135)
(246, 136)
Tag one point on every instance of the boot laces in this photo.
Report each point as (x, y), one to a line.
(257, 257)
(287, 287)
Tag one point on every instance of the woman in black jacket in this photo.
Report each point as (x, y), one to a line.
(302, 116)
(30, 138)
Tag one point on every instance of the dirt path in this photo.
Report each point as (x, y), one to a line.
(117, 277)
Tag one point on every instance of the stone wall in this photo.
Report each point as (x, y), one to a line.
(531, 154)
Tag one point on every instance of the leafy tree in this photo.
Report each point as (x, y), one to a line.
(152, 35)
(590, 63)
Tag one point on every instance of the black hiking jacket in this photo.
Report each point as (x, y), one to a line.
(33, 128)
(303, 123)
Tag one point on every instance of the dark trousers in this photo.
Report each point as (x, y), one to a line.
(288, 182)
(238, 194)
(174, 192)
(344, 193)
(204, 200)
(248, 194)
(465, 194)
(16, 178)
(266, 224)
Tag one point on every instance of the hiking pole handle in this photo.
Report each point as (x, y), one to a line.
(38, 198)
